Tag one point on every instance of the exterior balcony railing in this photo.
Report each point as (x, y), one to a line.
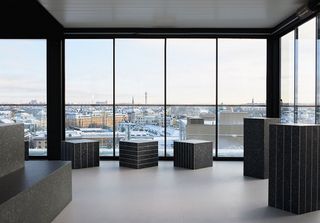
(222, 124)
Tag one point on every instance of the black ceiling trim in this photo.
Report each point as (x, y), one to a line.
(165, 32)
(27, 19)
(290, 24)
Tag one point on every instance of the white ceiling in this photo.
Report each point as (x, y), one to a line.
(172, 13)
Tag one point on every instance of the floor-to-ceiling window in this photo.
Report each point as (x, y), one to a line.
(139, 91)
(298, 74)
(23, 90)
(191, 90)
(164, 90)
(89, 91)
(306, 54)
(241, 90)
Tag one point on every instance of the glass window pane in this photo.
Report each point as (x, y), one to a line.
(306, 71)
(139, 71)
(140, 90)
(191, 71)
(23, 89)
(191, 81)
(89, 100)
(287, 78)
(242, 90)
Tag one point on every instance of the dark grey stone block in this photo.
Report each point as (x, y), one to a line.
(36, 193)
(315, 151)
(256, 146)
(294, 167)
(279, 168)
(82, 153)
(193, 154)
(287, 157)
(317, 145)
(26, 150)
(138, 154)
(272, 169)
(12, 148)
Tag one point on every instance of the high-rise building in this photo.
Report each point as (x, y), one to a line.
(145, 98)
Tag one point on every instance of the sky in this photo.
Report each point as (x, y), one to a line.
(191, 71)
(306, 65)
(22, 71)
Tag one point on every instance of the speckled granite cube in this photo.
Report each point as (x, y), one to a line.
(11, 148)
(26, 150)
(138, 154)
(294, 170)
(83, 153)
(193, 154)
(256, 146)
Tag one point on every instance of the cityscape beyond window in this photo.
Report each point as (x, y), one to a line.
(23, 89)
(140, 111)
(116, 90)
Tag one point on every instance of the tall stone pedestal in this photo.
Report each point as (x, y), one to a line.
(294, 171)
(256, 147)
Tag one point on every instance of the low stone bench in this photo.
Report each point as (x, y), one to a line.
(36, 193)
(83, 153)
(193, 154)
(27, 189)
(138, 154)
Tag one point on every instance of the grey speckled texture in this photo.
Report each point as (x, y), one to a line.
(294, 168)
(193, 154)
(49, 191)
(11, 148)
(256, 146)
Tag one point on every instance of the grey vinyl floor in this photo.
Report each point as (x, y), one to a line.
(168, 194)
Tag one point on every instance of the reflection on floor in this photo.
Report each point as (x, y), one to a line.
(167, 194)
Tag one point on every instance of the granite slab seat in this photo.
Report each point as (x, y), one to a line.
(36, 193)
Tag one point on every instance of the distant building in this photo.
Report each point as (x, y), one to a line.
(197, 128)
(230, 129)
(132, 116)
(100, 120)
(6, 121)
(38, 141)
(145, 98)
